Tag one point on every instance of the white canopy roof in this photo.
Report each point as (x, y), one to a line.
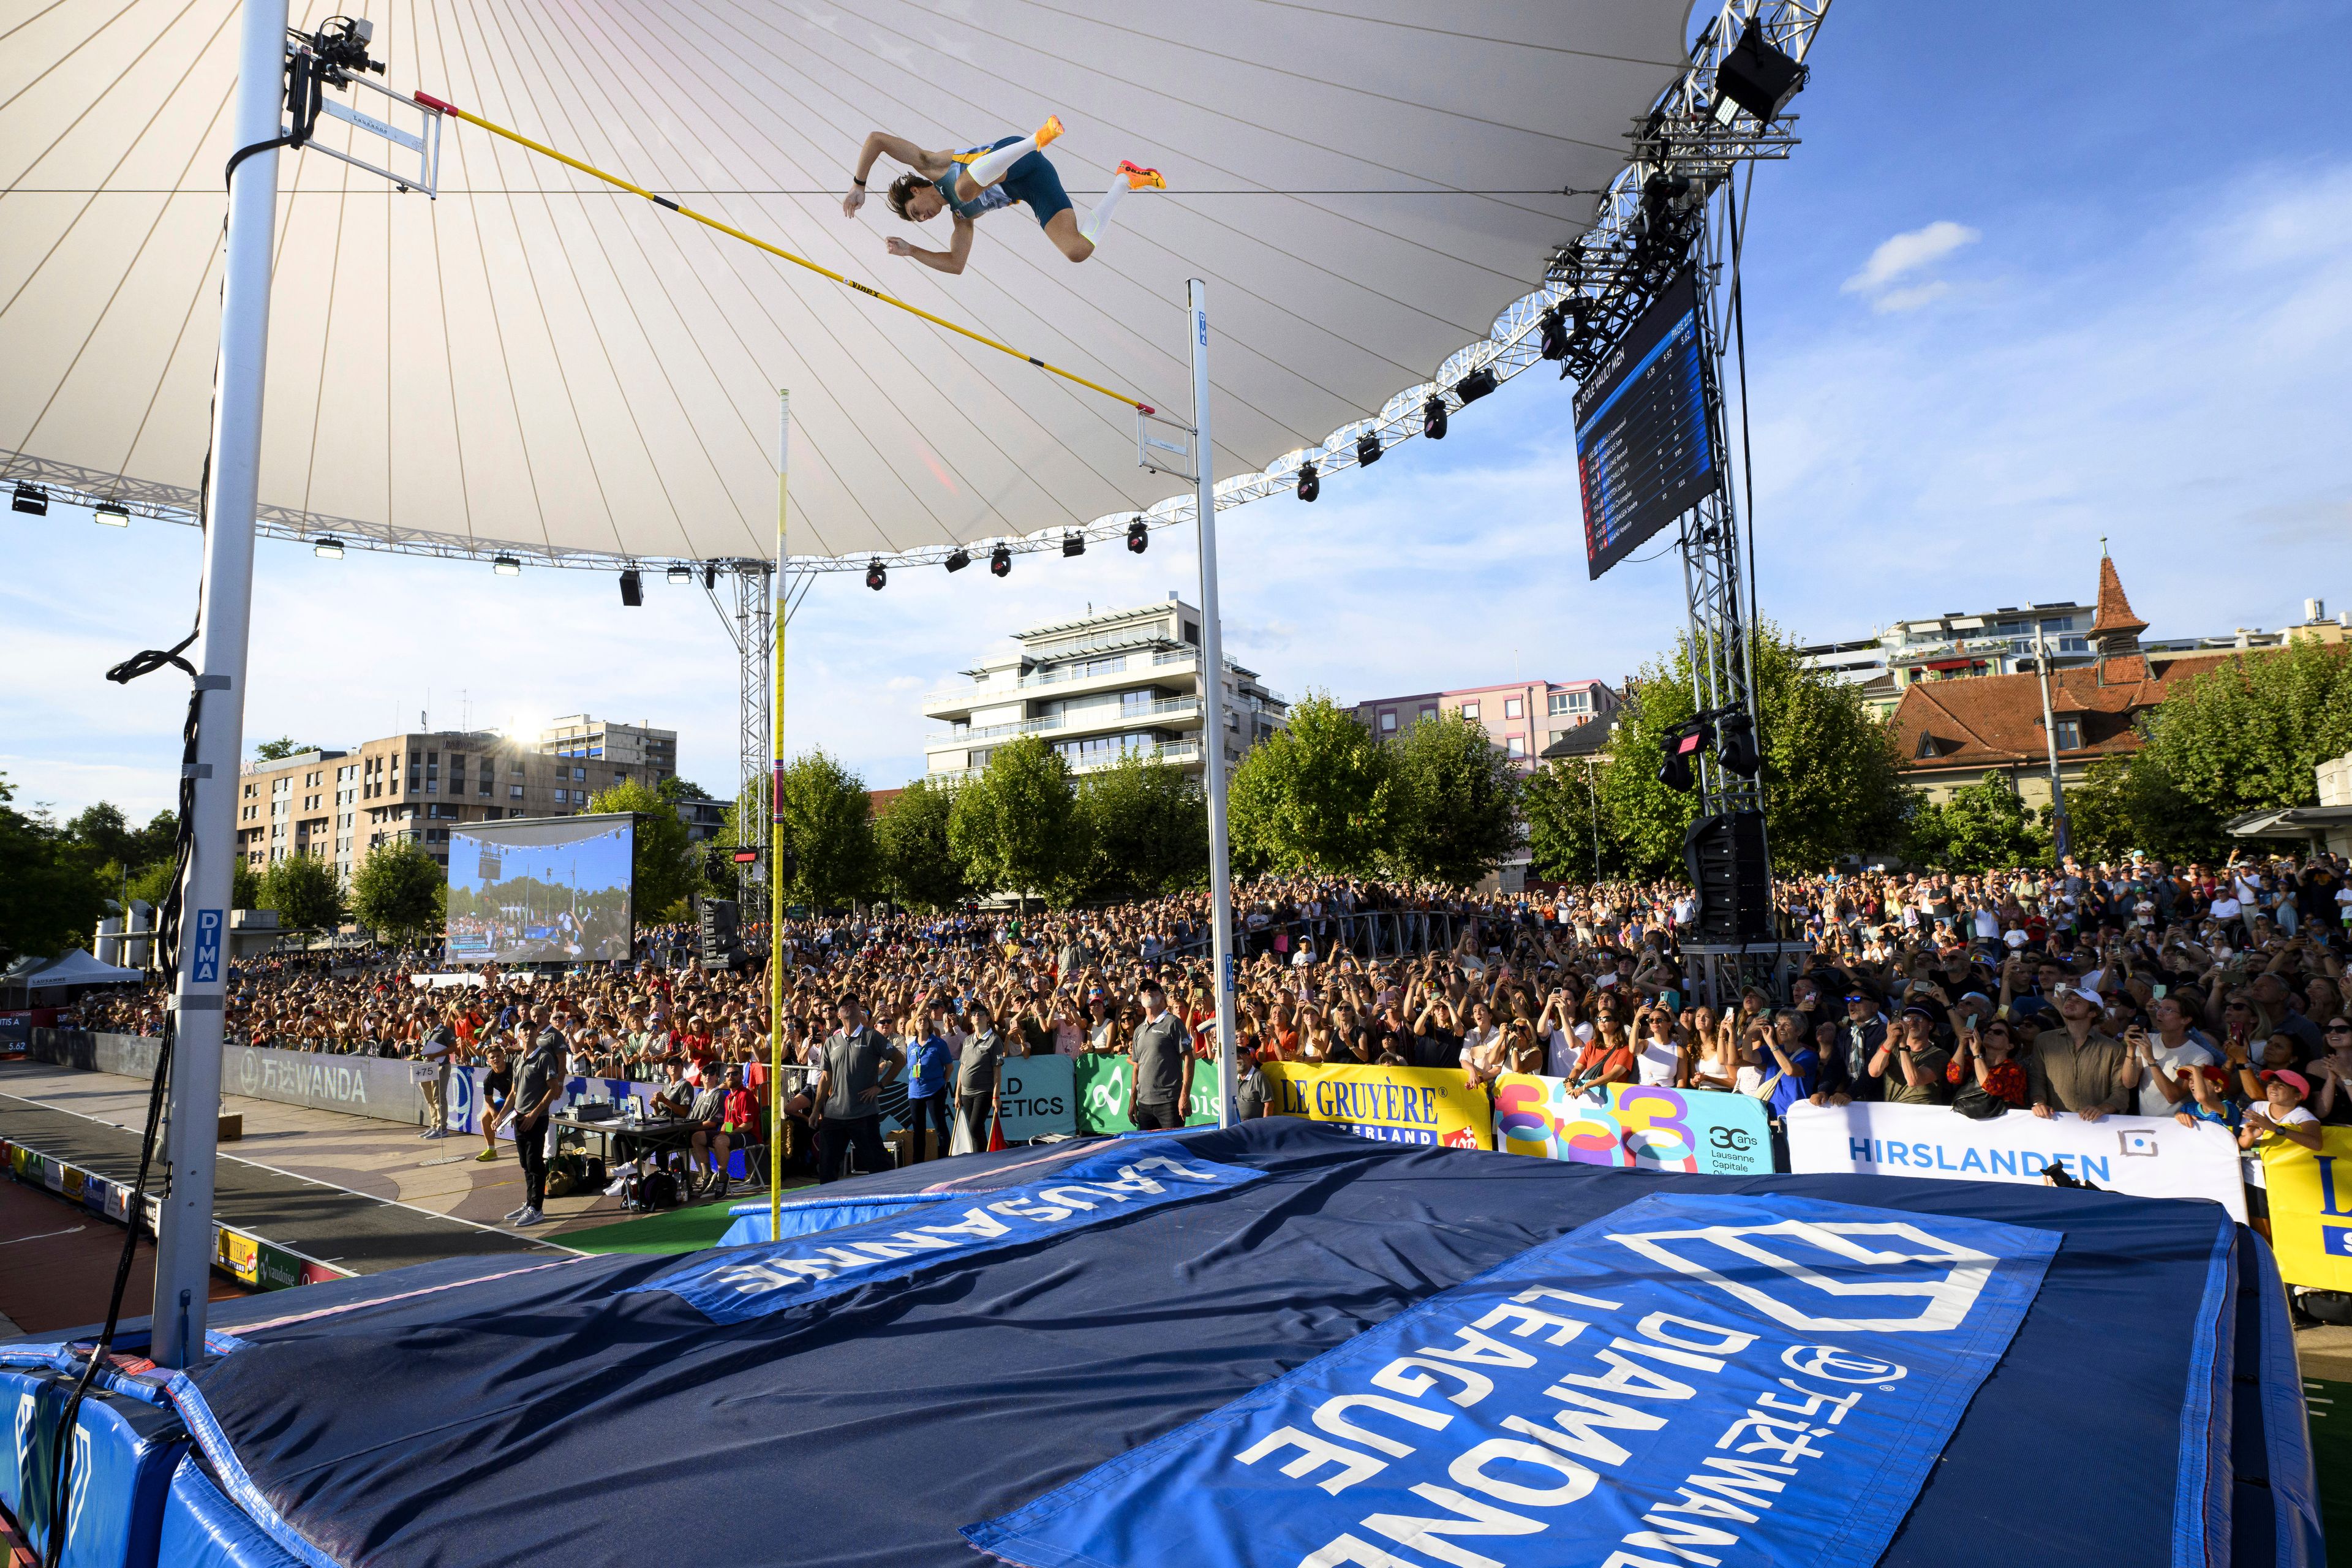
(77, 967)
(534, 361)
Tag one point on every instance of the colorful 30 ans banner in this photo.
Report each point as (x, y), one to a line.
(1633, 1125)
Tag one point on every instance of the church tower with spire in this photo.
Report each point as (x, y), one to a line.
(2115, 632)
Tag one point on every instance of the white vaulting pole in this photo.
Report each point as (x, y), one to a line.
(1212, 708)
(184, 1244)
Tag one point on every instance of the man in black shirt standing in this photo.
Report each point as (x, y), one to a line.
(857, 1062)
(538, 1083)
(1160, 1059)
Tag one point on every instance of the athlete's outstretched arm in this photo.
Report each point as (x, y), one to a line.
(950, 260)
(928, 164)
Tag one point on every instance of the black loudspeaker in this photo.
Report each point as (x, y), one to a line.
(717, 922)
(1724, 855)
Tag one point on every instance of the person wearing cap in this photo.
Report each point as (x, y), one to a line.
(1911, 1064)
(1160, 1085)
(2075, 1066)
(2283, 1112)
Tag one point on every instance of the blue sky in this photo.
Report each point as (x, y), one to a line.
(2039, 274)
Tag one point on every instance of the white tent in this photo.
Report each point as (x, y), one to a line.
(77, 967)
(534, 363)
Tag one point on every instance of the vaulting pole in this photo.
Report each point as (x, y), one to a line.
(1212, 706)
(184, 1240)
(777, 608)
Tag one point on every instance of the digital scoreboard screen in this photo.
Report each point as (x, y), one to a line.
(1643, 453)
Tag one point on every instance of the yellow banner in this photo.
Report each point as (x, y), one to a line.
(2311, 1209)
(1388, 1105)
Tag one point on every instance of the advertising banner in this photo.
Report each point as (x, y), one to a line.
(1702, 1131)
(2311, 1209)
(1388, 1105)
(1037, 1096)
(1693, 1378)
(2147, 1156)
(1102, 1081)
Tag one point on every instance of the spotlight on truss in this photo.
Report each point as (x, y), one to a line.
(328, 548)
(112, 513)
(1139, 537)
(1552, 334)
(1074, 543)
(960, 559)
(710, 577)
(1000, 562)
(1475, 385)
(633, 588)
(875, 575)
(1433, 419)
(681, 576)
(1368, 449)
(1310, 483)
(31, 499)
(506, 566)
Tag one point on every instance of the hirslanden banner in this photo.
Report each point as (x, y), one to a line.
(2147, 1156)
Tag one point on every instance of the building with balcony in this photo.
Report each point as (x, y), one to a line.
(1523, 718)
(1124, 681)
(637, 746)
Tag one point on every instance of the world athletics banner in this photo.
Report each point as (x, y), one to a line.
(2311, 1209)
(1690, 1379)
(1634, 1126)
(2147, 1156)
(1388, 1105)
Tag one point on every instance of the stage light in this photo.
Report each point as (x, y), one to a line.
(328, 549)
(1310, 483)
(506, 566)
(1433, 419)
(112, 513)
(1000, 562)
(1139, 537)
(959, 559)
(633, 588)
(1735, 745)
(681, 576)
(1683, 748)
(32, 500)
(875, 575)
(1074, 543)
(1475, 385)
(1756, 77)
(1552, 330)
(710, 577)
(1368, 449)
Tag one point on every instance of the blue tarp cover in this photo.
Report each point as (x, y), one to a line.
(586, 1414)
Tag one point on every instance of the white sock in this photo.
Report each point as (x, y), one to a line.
(990, 167)
(1099, 220)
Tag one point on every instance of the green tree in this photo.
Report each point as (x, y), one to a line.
(1568, 835)
(2250, 733)
(305, 891)
(1456, 798)
(1147, 826)
(918, 863)
(1016, 828)
(662, 865)
(1317, 796)
(1831, 784)
(829, 831)
(154, 880)
(1983, 827)
(107, 834)
(399, 892)
(278, 750)
(51, 897)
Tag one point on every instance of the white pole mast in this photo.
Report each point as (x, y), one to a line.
(1212, 707)
(185, 1246)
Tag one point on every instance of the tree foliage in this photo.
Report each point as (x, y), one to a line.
(917, 862)
(1831, 783)
(1983, 827)
(399, 892)
(51, 897)
(662, 866)
(1016, 828)
(829, 832)
(278, 750)
(1146, 825)
(305, 891)
(1567, 827)
(1455, 802)
(1319, 795)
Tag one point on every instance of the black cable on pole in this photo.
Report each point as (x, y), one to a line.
(1739, 342)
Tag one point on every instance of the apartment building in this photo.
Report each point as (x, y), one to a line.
(1094, 687)
(1523, 718)
(341, 804)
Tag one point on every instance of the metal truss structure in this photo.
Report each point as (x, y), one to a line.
(751, 625)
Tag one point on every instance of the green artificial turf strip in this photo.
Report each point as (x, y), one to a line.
(687, 1229)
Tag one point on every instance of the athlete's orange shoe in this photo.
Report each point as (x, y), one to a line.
(1140, 178)
(1047, 131)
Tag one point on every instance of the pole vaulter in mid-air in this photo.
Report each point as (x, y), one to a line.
(976, 180)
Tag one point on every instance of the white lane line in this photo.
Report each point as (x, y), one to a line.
(45, 1235)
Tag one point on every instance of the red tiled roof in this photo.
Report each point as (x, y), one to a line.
(2114, 610)
(1995, 721)
(875, 799)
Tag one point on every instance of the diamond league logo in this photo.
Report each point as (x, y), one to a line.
(1823, 1272)
(1833, 1364)
(248, 1070)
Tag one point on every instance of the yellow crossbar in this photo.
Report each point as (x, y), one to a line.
(519, 140)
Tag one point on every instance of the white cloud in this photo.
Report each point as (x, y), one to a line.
(1904, 256)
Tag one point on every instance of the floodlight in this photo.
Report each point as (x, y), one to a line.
(112, 513)
(1756, 77)
(633, 589)
(681, 576)
(1139, 537)
(328, 549)
(1368, 449)
(1553, 332)
(959, 559)
(1074, 543)
(1735, 745)
(1000, 562)
(1311, 484)
(1683, 747)
(1433, 419)
(875, 575)
(32, 500)
(1475, 385)
(506, 566)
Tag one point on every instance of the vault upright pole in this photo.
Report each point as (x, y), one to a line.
(1212, 706)
(777, 608)
(184, 1245)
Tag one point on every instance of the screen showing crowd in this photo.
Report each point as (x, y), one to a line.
(551, 889)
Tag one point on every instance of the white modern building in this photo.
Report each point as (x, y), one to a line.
(1121, 680)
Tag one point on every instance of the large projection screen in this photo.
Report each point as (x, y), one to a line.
(540, 889)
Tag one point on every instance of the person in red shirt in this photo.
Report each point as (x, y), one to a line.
(1606, 1059)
